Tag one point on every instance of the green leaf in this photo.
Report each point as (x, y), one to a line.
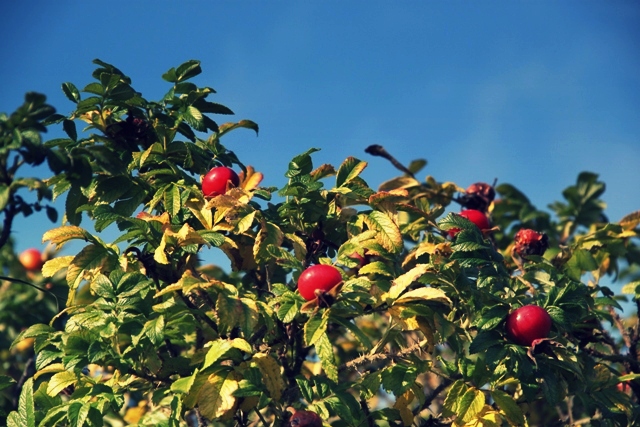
(399, 378)
(217, 350)
(583, 260)
(454, 396)
(25, 416)
(188, 70)
(6, 381)
(327, 358)
(154, 329)
(71, 92)
(349, 170)
(183, 385)
(301, 164)
(509, 407)
(314, 329)
(69, 127)
(172, 201)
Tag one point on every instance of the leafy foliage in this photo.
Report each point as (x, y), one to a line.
(414, 334)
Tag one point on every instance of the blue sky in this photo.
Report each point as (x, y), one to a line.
(528, 92)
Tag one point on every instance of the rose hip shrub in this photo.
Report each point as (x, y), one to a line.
(149, 335)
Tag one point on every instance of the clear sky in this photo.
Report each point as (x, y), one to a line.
(528, 92)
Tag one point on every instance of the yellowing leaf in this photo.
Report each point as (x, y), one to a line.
(388, 234)
(60, 381)
(186, 236)
(422, 294)
(61, 235)
(404, 281)
(399, 182)
(406, 323)
(215, 398)
(402, 405)
(199, 209)
(269, 234)
(56, 264)
(271, 374)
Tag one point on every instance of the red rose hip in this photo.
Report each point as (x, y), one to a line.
(318, 278)
(527, 324)
(475, 216)
(305, 419)
(215, 181)
(31, 259)
(478, 196)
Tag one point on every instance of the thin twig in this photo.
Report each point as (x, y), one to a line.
(21, 381)
(378, 150)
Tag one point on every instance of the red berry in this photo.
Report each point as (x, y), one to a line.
(305, 419)
(215, 181)
(530, 242)
(528, 323)
(31, 259)
(478, 196)
(318, 278)
(475, 216)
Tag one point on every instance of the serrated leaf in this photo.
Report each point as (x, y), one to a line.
(424, 294)
(25, 415)
(508, 407)
(183, 385)
(271, 373)
(454, 396)
(71, 92)
(315, 327)
(234, 311)
(154, 329)
(349, 169)
(52, 266)
(377, 267)
(402, 405)
(470, 405)
(405, 280)
(397, 379)
(327, 358)
(215, 398)
(88, 261)
(269, 234)
(61, 235)
(388, 234)
(228, 127)
(60, 381)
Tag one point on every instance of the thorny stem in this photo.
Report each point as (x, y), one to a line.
(370, 358)
(434, 393)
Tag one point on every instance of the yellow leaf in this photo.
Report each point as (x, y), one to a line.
(402, 405)
(54, 265)
(422, 294)
(408, 323)
(199, 209)
(402, 282)
(271, 374)
(159, 255)
(250, 180)
(399, 182)
(61, 235)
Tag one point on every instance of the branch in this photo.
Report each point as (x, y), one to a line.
(378, 150)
